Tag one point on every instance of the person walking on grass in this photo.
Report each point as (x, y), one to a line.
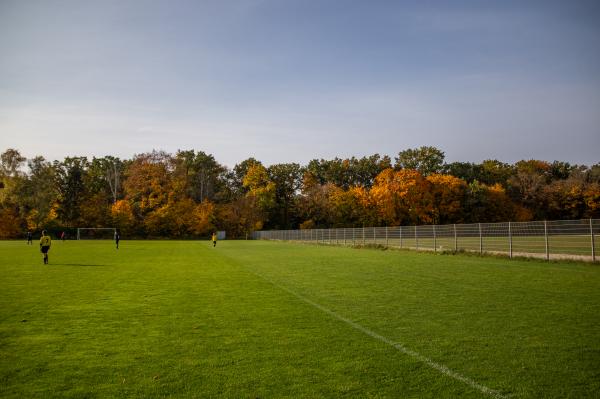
(214, 239)
(45, 243)
(117, 238)
(29, 238)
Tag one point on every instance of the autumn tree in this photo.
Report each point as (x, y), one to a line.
(446, 195)
(237, 175)
(252, 211)
(399, 196)
(147, 187)
(122, 217)
(314, 207)
(494, 171)
(492, 204)
(527, 185)
(11, 223)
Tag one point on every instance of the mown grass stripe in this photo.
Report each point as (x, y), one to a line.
(398, 346)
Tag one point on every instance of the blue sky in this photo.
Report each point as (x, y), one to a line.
(295, 80)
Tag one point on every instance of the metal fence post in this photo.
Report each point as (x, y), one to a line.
(455, 239)
(386, 237)
(592, 239)
(400, 236)
(510, 240)
(480, 240)
(416, 238)
(546, 240)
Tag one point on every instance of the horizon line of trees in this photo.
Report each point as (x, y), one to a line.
(190, 194)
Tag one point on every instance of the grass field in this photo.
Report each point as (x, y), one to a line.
(258, 319)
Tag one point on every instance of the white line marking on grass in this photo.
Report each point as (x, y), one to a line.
(423, 359)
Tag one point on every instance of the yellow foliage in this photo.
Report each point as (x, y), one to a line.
(446, 194)
(203, 215)
(399, 196)
(260, 186)
(122, 215)
(591, 196)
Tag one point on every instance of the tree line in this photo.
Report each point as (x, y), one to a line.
(190, 194)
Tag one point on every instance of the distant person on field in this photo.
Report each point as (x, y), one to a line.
(29, 238)
(117, 238)
(214, 239)
(45, 243)
(63, 236)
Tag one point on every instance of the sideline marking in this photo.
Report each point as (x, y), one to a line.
(437, 366)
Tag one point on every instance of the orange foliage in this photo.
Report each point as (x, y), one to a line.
(9, 224)
(203, 217)
(122, 215)
(591, 197)
(399, 197)
(447, 195)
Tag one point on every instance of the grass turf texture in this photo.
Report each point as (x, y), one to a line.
(182, 319)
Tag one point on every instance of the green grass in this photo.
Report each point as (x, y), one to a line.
(273, 320)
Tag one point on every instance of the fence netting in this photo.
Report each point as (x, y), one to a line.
(557, 239)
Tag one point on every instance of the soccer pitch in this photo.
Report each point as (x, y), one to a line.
(258, 319)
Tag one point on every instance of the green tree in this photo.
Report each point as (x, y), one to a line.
(494, 171)
(69, 178)
(425, 160)
(467, 171)
(38, 195)
(201, 176)
(287, 179)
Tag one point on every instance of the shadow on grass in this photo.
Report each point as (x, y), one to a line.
(76, 264)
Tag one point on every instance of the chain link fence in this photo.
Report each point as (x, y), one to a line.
(558, 239)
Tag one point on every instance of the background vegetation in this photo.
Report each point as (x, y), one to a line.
(190, 193)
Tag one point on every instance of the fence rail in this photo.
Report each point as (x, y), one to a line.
(558, 239)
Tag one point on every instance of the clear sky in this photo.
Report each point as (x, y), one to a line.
(287, 80)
